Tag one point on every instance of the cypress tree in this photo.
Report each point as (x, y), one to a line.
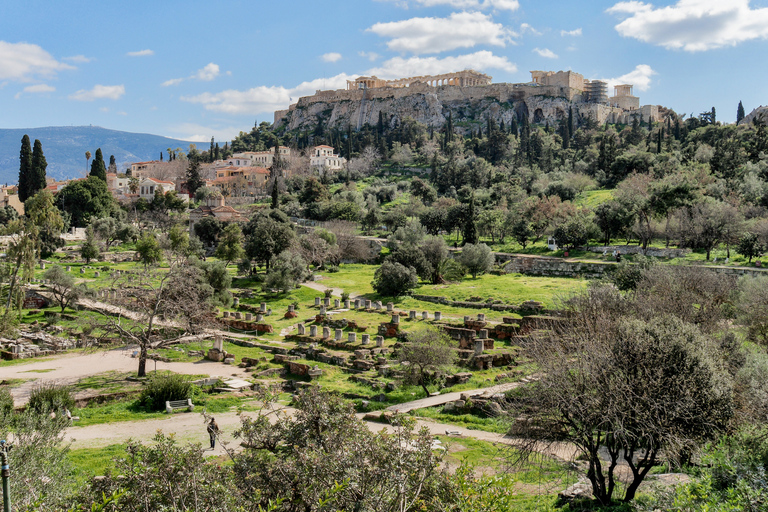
(470, 229)
(25, 168)
(194, 180)
(570, 122)
(275, 194)
(112, 163)
(36, 181)
(739, 113)
(211, 152)
(97, 166)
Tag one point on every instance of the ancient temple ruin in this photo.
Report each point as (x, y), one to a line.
(466, 78)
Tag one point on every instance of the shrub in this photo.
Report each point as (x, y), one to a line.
(478, 259)
(393, 279)
(50, 396)
(164, 387)
(6, 402)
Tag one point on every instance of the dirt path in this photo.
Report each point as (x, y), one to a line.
(433, 401)
(321, 288)
(69, 368)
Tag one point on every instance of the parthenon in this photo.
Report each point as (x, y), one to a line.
(464, 78)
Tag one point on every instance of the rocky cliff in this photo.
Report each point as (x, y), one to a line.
(469, 106)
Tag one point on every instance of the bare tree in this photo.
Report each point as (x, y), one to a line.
(351, 245)
(157, 309)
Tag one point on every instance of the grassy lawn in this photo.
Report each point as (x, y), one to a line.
(90, 462)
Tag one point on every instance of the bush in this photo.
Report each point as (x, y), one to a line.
(6, 402)
(50, 396)
(164, 387)
(393, 279)
(478, 259)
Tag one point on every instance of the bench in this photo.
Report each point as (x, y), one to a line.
(179, 404)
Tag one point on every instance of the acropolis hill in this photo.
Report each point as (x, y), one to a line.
(471, 97)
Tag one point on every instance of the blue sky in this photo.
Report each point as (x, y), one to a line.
(194, 69)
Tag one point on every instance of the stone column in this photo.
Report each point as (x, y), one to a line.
(424, 315)
(322, 310)
(395, 319)
(481, 317)
(259, 317)
(390, 306)
(226, 314)
(263, 307)
(248, 317)
(479, 347)
(483, 334)
(357, 303)
(346, 304)
(69, 269)
(438, 315)
(302, 329)
(467, 319)
(238, 315)
(327, 302)
(379, 341)
(317, 301)
(367, 304)
(365, 339)
(326, 332)
(291, 308)
(412, 315)
(336, 303)
(313, 331)
(338, 334)
(235, 302)
(352, 337)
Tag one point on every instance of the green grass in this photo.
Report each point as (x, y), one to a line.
(90, 462)
(468, 421)
(592, 198)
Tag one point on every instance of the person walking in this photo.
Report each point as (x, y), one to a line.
(213, 430)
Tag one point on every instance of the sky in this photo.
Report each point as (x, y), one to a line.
(193, 70)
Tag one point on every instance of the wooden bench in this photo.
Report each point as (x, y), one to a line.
(179, 404)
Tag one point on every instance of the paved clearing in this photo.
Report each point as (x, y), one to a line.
(69, 368)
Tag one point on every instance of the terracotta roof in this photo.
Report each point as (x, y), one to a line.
(162, 181)
(324, 146)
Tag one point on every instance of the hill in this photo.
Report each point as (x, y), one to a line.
(65, 147)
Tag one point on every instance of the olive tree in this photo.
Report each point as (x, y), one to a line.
(478, 258)
(426, 353)
(62, 286)
(621, 389)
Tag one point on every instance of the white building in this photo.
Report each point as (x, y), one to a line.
(322, 159)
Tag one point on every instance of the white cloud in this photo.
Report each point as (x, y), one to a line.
(141, 53)
(23, 62)
(35, 89)
(371, 56)
(331, 57)
(79, 59)
(692, 25)
(415, 66)
(110, 92)
(640, 77)
(545, 52)
(501, 5)
(262, 98)
(104, 109)
(526, 28)
(172, 81)
(206, 74)
(259, 100)
(435, 35)
(575, 32)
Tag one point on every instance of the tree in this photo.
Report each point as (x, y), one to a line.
(163, 307)
(194, 179)
(574, 232)
(25, 168)
(46, 219)
(749, 246)
(622, 388)
(98, 169)
(739, 113)
(411, 256)
(325, 453)
(477, 258)
(427, 352)
(393, 279)
(469, 232)
(62, 286)
(107, 229)
(86, 199)
(208, 230)
(230, 246)
(286, 271)
(753, 307)
(112, 164)
(435, 252)
(89, 249)
(267, 234)
(88, 158)
(36, 182)
(148, 249)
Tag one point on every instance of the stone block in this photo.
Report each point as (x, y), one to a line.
(352, 337)
(424, 315)
(438, 315)
(365, 339)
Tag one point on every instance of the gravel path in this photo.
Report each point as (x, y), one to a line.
(69, 368)
(432, 401)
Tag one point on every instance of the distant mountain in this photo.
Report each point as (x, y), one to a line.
(65, 147)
